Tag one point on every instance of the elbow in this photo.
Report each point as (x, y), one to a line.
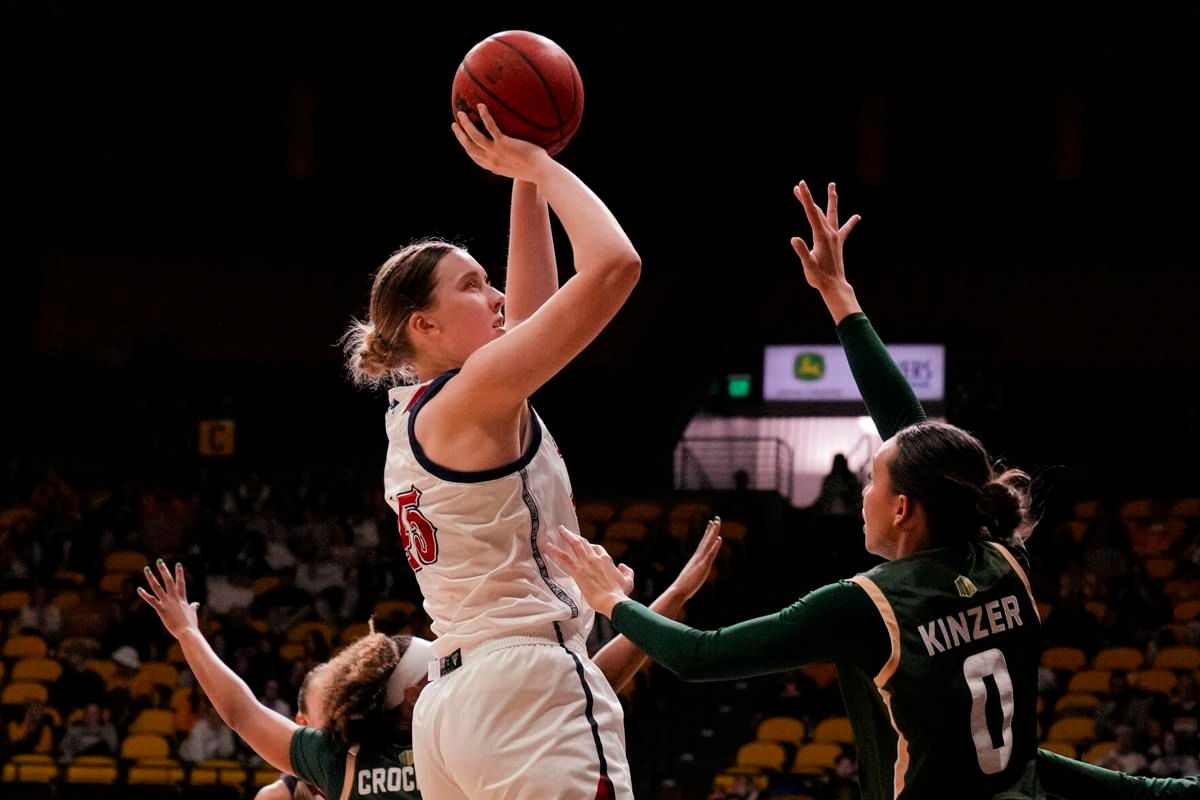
(623, 271)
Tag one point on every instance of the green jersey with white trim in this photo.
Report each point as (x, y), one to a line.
(382, 771)
(955, 704)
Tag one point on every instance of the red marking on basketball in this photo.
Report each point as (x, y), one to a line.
(529, 84)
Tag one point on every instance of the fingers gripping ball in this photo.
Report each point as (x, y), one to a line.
(529, 84)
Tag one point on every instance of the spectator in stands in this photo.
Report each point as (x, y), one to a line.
(841, 492)
(844, 783)
(278, 554)
(271, 699)
(208, 738)
(78, 685)
(1122, 708)
(126, 697)
(91, 736)
(39, 616)
(1183, 717)
(324, 579)
(1124, 755)
(1170, 763)
(33, 733)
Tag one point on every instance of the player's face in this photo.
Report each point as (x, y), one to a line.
(879, 504)
(467, 310)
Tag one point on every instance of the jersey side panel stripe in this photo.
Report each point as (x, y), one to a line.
(886, 673)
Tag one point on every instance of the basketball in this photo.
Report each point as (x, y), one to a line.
(529, 84)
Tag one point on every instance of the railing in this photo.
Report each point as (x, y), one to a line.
(715, 462)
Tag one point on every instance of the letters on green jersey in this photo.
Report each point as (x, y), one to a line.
(382, 780)
(977, 622)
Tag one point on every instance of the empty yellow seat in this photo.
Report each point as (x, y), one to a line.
(1077, 702)
(1157, 681)
(159, 722)
(92, 769)
(37, 670)
(222, 771)
(13, 601)
(25, 647)
(157, 772)
(834, 729)
(822, 755)
(30, 768)
(291, 651)
(1178, 657)
(1064, 658)
(16, 694)
(1090, 681)
(781, 729)
(144, 745)
(1072, 730)
(1187, 610)
(764, 755)
(1122, 658)
(159, 673)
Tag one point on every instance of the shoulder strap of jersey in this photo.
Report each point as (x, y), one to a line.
(1020, 573)
(348, 782)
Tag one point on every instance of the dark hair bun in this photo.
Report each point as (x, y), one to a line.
(1001, 508)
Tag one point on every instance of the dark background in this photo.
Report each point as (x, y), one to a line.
(193, 199)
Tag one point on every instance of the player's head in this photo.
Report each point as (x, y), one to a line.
(431, 307)
(310, 703)
(935, 482)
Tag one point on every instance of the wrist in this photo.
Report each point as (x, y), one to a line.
(609, 602)
(840, 299)
(541, 169)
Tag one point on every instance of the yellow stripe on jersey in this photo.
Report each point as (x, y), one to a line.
(1020, 574)
(886, 673)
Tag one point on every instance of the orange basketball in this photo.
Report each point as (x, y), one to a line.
(529, 84)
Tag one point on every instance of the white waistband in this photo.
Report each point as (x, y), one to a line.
(441, 667)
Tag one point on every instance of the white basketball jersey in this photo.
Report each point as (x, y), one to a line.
(476, 540)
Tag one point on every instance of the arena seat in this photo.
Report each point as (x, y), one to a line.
(37, 670)
(159, 673)
(218, 771)
(144, 745)
(595, 512)
(642, 512)
(762, 755)
(1119, 658)
(125, 561)
(92, 769)
(156, 772)
(834, 729)
(1155, 681)
(781, 729)
(13, 601)
(1072, 730)
(388, 608)
(16, 694)
(21, 646)
(352, 633)
(1068, 659)
(1187, 610)
(624, 531)
(1062, 748)
(300, 631)
(1076, 702)
(822, 755)
(1185, 508)
(30, 768)
(1090, 681)
(1177, 657)
(1096, 753)
(154, 721)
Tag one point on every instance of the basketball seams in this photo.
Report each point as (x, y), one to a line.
(541, 79)
(503, 104)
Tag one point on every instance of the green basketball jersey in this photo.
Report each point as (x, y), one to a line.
(952, 713)
(381, 770)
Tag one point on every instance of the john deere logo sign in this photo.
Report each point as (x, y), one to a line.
(809, 367)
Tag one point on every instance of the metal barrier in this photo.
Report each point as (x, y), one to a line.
(714, 462)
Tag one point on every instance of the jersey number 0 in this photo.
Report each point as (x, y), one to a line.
(417, 534)
(987, 674)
